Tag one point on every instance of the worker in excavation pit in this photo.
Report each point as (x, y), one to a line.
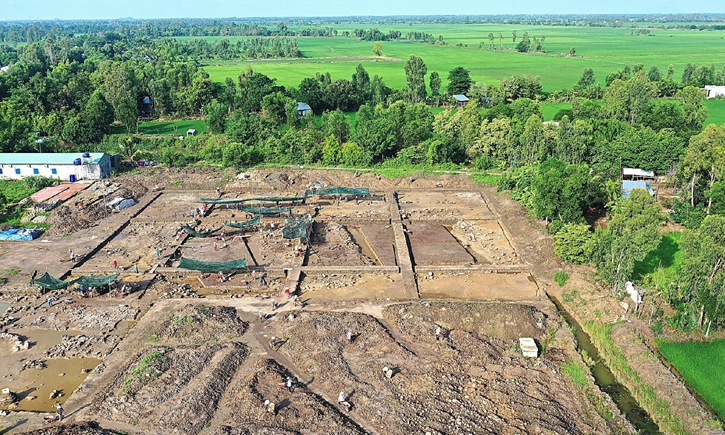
(439, 334)
(342, 402)
(289, 384)
(59, 411)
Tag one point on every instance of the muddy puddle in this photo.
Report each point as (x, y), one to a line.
(605, 379)
(41, 382)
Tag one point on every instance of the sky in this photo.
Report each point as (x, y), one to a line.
(104, 9)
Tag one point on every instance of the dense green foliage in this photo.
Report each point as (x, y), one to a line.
(699, 363)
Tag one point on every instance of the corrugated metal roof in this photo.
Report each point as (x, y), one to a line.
(46, 158)
(638, 172)
(303, 106)
(461, 98)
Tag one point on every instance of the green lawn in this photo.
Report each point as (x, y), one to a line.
(715, 112)
(603, 49)
(700, 364)
(14, 191)
(661, 264)
(166, 127)
(551, 109)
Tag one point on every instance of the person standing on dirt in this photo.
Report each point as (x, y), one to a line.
(349, 336)
(289, 384)
(115, 264)
(59, 411)
(357, 200)
(262, 281)
(273, 304)
(261, 316)
(72, 255)
(439, 334)
(50, 301)
(395, 196)
(216, 247)
(219, 192)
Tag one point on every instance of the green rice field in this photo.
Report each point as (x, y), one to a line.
(715, 112)
(603, 49)
(700, 364)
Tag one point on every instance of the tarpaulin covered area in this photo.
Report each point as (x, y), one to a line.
(195, 233)
(245, 224)
(212, 266)
(49, 282)
(267, 211)
(253, 198)
(359, 191)
(297, 228)
(23, 235)
(95, 281)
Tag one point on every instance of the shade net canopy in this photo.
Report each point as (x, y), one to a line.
(254, 198)
(95, 281)
(245, 224)
(212, 266)
(359, 191)
(195, 233)
(49, 282)
(266, 211)
(297, 228)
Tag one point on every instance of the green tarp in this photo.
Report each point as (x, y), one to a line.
(212, 266)
(297, 228)
(265, 211)
(49, 282)
(245, 224)
(254, 198)
(95, 281)
(359, 191)
(195, 233)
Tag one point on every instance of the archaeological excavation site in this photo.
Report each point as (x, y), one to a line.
(289, 302)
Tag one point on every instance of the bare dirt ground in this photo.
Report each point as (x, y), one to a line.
(205, 364)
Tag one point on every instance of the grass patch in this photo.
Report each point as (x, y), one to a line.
(487, 179)
(657, 407)
(715, 112)
(16, 190)
(146, 370)
(561, 278)
(660, 265)
(163, 128)
(700, 364)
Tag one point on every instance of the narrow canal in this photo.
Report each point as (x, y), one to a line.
(605, 379)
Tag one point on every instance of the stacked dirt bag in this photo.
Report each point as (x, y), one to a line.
(266, 406)
(468, 379)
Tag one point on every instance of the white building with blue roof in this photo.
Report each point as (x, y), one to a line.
(63, 166)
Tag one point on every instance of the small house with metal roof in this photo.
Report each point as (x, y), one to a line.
(303, 109)
(461, 100)
(63, 166)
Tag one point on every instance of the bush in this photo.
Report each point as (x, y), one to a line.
(574, 243)
(561, 278)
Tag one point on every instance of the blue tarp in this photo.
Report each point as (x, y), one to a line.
(17, 234)
(628, 186)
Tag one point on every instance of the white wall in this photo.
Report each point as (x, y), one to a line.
(63, 172)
